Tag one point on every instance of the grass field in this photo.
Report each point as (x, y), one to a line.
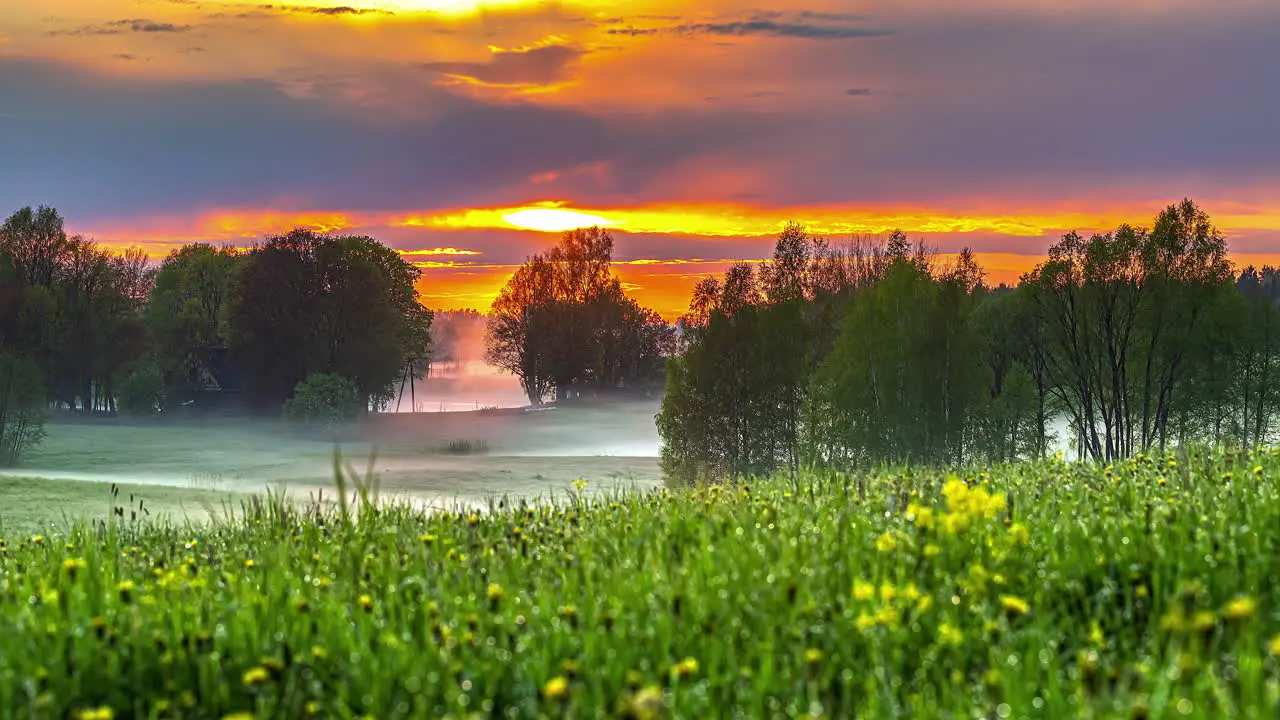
(183, 465)
(1142, 590)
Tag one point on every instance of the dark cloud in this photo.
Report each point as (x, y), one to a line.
(124, 56)
(772, 28)
(538, 66)
(833, 16)
(344, 10)
(770, 23)
(117, 27)
(858, 92)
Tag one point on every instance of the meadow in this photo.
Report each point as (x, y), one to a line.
(187, 470)
(1145, 589)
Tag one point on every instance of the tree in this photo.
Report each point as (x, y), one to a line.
(37, 242)
(21, 407)
(305, 303)
(562, 321)
(189, 310)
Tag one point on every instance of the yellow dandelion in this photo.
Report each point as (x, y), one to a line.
(863, 590)
(1257, 470)
(250, 564)
(685, 669)
(888, 592)
(1203, 621)
(1240, 608)
(812, 656)
(1273, 647)
(931, 550)
(886, 543)
(428, 539)
(366, 603)
(125, 590)
(318, 653)
(1020, 533)
(238, 716)
(37, 539)
(256, 676)
(864, 621)
(949, 634)
(556, 687)
(1013, 605)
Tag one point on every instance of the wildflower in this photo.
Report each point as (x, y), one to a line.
(366, 603)
(686, 668)
(250, 564)
(1240, 608)
(921, 516)
(812, 656)
(1273, 647)
(101, 713)
(125, 591)
(1202, 621)
(864, 621)
(237, 716)
(428, 539)
(255, 676)
(473, 520)
(863, 590)
(556, 687)
(312, 708)
(571, 668)
(37, 539)
(580, 484)
(888, 592)
(887, 616)
(318, 653)
(931, 550)
(1014, 606)
(73, 565)
(495, 595)
(948, 634)
(1020, 533)
(1257, 470)
(886, 543)
(910, 592)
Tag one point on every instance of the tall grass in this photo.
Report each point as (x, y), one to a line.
(1143, 589)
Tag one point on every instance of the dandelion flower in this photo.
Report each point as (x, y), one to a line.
(1273, 647)
(812, 656)
(256, 676)
(886, 543)
(949, 634)
(1240, 608)
(863, 590)
(1013, 605)
(686, 668)
(555, 688)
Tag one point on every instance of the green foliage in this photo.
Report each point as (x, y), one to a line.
(562, 321)
(324, 398)
(467, 447)
(1042, 590)
(22, 407)
(142, 391)
(306, 303)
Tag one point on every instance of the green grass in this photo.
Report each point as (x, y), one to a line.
(30, 505)
(1042, 590)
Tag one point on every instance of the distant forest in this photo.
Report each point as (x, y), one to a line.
(829, 354)
(876, 352)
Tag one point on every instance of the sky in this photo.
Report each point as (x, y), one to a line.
(467, 133)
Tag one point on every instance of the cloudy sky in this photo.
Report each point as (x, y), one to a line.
(466, 132)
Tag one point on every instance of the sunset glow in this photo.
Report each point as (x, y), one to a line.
(468, 133)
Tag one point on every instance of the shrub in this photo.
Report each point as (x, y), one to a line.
(324, 398)
(467, 447)
(22, 411)
(141, 392)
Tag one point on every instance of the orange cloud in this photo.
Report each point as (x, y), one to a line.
(742, 221)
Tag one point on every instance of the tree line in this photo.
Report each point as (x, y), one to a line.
(874, 351)
(90, 331)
